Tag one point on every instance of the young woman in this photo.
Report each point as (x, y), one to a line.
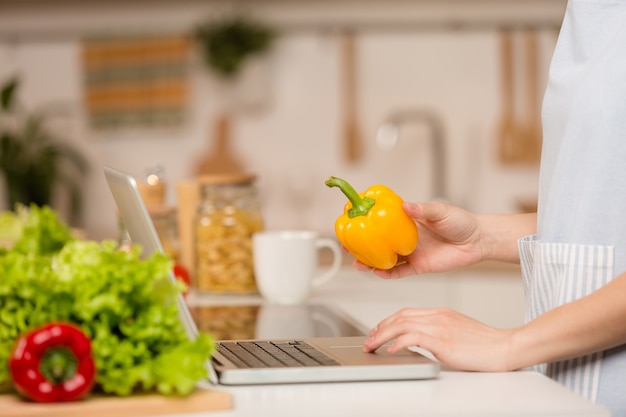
(573, 251)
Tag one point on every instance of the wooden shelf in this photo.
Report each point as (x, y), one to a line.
(41, 20)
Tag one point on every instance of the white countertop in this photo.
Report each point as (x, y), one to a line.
(368, 299)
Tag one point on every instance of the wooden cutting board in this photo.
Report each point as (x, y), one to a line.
(133, 406)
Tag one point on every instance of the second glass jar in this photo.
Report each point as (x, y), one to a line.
(228, 216)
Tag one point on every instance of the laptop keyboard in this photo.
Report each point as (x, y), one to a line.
(266, 354)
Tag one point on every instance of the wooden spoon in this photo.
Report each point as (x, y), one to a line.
(532, 138)
(507, 132)
(352, 144)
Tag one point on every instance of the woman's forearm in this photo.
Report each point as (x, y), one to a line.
(593, 323)
(500, 233)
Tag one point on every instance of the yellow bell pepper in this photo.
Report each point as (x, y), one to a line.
(373, 227)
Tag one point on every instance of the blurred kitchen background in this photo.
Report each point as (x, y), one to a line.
(437, 99)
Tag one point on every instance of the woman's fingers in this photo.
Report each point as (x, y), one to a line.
(406, 321)
(453, 338)
(431, 212)
(401, 270)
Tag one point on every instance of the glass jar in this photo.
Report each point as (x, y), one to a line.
(227, 218)
(164, 220)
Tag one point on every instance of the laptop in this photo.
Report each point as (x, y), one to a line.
(272, 361)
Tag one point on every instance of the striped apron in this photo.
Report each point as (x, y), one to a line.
(556, 274)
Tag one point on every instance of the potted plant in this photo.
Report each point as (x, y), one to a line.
(33, 161)
(227, 44)
(235, 50)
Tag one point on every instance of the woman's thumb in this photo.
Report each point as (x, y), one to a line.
(426, 211)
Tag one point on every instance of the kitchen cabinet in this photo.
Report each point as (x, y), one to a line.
(45, 20)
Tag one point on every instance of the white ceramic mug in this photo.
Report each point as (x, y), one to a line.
(286, 264)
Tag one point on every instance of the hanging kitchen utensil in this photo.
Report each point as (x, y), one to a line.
(221, 159)
(508, 129)
(533, 136)
(519, 143)
(352, 145)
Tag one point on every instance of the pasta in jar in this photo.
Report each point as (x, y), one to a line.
(228, 217)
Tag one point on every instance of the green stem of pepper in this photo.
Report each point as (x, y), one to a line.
(360, 205)
(58, 364)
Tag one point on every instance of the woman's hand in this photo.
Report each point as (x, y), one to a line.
(452, 238)
(449, 238)
(453, 338)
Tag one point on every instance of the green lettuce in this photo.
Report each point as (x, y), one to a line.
(37, 230)
(125, 304)
(10, 226)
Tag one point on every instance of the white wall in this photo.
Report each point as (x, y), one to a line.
(295, 140)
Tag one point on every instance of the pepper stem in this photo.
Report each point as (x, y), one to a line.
(58, 364)
(360, 205)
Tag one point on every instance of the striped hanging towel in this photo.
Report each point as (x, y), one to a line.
(136, 80)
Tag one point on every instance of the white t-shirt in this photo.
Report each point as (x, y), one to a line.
(581, 233)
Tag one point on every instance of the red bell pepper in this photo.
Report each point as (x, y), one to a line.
(53, 363)
(181, 273)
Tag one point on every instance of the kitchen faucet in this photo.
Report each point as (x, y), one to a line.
(388, 135)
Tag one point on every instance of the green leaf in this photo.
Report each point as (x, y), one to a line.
(8, 93)
(33, 161)
(42, 232)
(10, 226)
(177, 370)
(227, 44)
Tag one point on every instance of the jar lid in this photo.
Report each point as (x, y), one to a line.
(161, 211)
(222, 179)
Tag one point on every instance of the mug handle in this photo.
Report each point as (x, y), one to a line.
(323, 242)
